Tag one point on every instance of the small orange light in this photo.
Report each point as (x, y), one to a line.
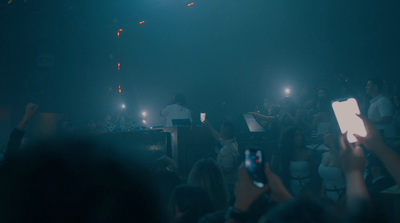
(119, 89)
(121, 30)
(10, 1)
(190, 4)
(118, 34)
(141, 22)
(119, 66)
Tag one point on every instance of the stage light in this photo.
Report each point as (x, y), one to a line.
(141, 22)
(119, 89)
(121, 30)
(123, 106)
(144, 114)
(287, 91)
(190, 4)
(119, 66)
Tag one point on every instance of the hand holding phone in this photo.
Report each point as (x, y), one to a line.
(346, 112)
(254, 163)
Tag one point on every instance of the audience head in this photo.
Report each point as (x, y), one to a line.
(189, 203)
(273, 110)
(164, 163)
(180, 99)
(165, 178)
(322, 94)
(331, 140)
(207, 174)
(75, 181)
(292, 138)
(374, 86)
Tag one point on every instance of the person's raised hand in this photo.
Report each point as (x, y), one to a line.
(352, 157)
(277, 190)
(245, 191)
(30, 110)
(373, 141)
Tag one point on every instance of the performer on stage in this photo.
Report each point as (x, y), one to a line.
(177, 110)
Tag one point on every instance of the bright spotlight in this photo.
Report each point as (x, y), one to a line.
(287, 91)
(144, 114)
(123, 106)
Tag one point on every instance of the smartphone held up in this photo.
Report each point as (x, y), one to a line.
(202, 117)
(346, 112)
(254, 163)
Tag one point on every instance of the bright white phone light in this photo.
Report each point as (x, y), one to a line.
(346, 114)
(202, 117)
(144, 114)
(287, 91)
(123, 106)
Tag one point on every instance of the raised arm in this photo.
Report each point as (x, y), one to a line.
(374, 143)
(353, 162)
(246, 193)
(217, 136)
(263, 117)
(15, 139)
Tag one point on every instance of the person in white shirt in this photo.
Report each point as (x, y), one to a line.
(380, 110)
(177, 110)
(228, 155)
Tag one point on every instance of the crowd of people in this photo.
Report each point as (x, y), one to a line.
(314, 175)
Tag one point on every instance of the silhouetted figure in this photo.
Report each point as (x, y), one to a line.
(189, 203)
(206, 174)
(75, 181)
(176, 110)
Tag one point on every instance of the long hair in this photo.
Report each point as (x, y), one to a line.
(192, 201)
(287, 152)
(207, 174)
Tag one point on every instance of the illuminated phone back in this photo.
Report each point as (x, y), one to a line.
(346, 112)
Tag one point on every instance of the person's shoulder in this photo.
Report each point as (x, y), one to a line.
(325, 155)
(170, 107)
(382, 98)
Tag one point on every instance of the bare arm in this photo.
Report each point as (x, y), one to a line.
(214, 132)
(263, 117)
(353, 161)
(30, 110)
(246, 192)
(16, 136)
(374, 143)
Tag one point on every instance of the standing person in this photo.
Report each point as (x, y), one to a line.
(228, 154)
(176, 110)
(330, 169)
(295, 163)
(380, 110)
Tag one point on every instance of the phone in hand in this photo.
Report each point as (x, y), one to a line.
(346, 111)
(254, 163)
(202, 117)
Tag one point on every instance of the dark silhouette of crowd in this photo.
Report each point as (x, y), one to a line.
(313, 174)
